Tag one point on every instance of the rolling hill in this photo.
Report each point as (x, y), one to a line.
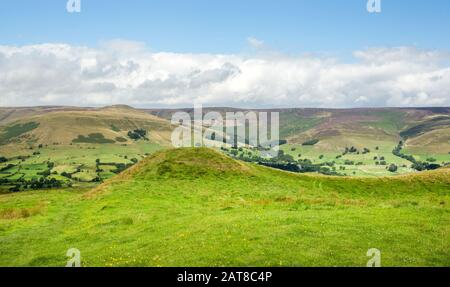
(32, 138)
(336, 129)
(197, 207)
(64, 125)
(340, 128)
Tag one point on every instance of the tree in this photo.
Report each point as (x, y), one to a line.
(138, 134)
(393, 168)
(310, 142)
(353, 150)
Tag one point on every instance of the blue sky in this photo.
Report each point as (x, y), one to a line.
(213, 26)
(241, 53)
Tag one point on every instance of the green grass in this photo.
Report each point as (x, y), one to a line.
(388, 120)
(196, 207)
(368, 167)
(67, 158)
(293, 124)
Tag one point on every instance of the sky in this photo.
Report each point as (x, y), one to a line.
(246, 53)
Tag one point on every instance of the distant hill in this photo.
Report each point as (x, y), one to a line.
(319, 135)
(63, 125)
(424, 129)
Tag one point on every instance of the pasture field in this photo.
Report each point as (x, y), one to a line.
(78, 160)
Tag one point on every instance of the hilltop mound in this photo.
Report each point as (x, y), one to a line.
(188, 163)
(205, 165)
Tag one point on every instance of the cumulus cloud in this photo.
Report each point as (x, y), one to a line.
(123, 72)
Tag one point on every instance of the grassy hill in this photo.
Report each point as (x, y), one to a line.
(63, 126)
(336, 129)
(91, 144)
(198, 207)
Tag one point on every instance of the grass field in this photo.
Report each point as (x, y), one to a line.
(197, 207)
(364, 164)
(79, 160)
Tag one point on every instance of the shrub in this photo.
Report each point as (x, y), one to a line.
(393, 168)
(137, 134)
(349, 162)
(97, 138)
(310, 142)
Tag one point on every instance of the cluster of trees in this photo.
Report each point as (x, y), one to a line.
(417, 165)
(69, 175)
(350, 150)
(366, 150)
(41, 183)
(138, 134)
(355, 150)
(286, 162)
(35, 183)
(310, 142)
(121, 167)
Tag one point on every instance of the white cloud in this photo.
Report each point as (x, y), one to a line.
(127, 72)
(255, 43)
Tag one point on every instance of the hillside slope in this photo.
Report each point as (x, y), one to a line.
(64, 125)
(197, 207)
